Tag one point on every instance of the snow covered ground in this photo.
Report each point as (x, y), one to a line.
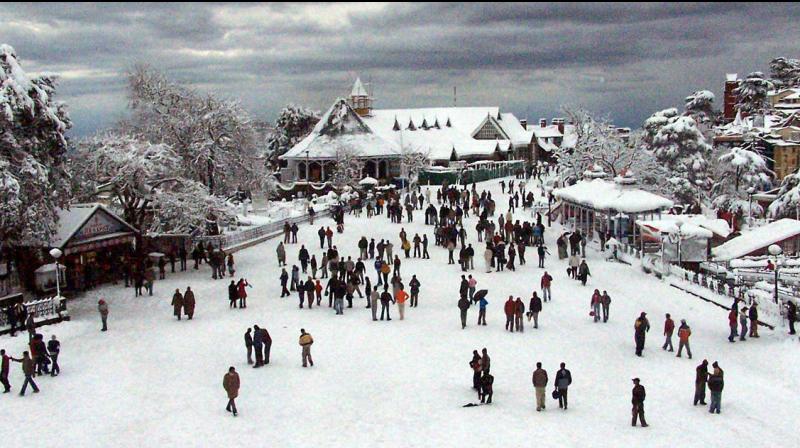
(154, 381)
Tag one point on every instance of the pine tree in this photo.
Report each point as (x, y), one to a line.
(785, 72)
(292, 125)
(740, 169)
(679, 146)
(33, 179)
(787, 203)
(751, 95)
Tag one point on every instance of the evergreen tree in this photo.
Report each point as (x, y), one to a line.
(751, 95)
(33, 179)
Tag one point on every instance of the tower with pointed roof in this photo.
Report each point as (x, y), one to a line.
(360, 100)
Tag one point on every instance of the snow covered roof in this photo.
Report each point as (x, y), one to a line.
(438, 131)
(697, 225)
(513, 128)
(340, 128)
(742, 125)
(757, 239)
(71, 221)
(358, 89)
(601, 194)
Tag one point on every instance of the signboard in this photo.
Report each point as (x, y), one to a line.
(101, 223)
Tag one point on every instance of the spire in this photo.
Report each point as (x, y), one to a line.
(411, 126)
(436, 124)
(396, 126)
(425, 124)
(358, 89)
(448, 123)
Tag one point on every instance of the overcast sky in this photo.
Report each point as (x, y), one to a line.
(622, 60)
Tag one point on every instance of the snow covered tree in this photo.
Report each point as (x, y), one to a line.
(751, 95)
(215, 138)
(269, 185)
(292, 125)
(144, 180)
(788, 202)
(679, 146)
(740, 168)
(33, 179)
(348, 169)
(785, 72)
(599, 143)
(412, 161)
(700, 106)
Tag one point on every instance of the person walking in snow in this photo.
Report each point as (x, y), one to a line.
(700, 380)
(509, 308)
(386, 299)
(753, 314)
(54, 349)
(5, 368)
(28, 367)
(487, 388)
(574, 262)
(733, 324)
(242, 292)
(606, 301)
(231, 384)
(177, 304)
(562, 383)
(374, 297)
(595, 305)
(414, 284)
(248, 344)
(519, 312)
(233, 294)
(102, 308)
(539, 380)
(475, 365)
(641, 327)
(583, 272)
(189, 303)
(716, 383)
(669, 327)
(791, 315)
(683, 339)
(545, 283)
(305, 342)
(463, 306)
(534, 308)
(638, 394)
(743, 319)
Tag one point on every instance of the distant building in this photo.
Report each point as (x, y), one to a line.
(381, 136)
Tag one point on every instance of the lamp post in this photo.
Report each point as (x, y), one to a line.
(775, 251)
(750, 192)
(56, 254)
(679, 224)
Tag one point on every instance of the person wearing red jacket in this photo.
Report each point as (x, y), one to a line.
(545, 283)
(597, 300)
(732, 322)
(669, 327)
(242, 292)
(510, 309)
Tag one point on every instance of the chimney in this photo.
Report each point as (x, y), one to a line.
(729, 100)
(543, 122)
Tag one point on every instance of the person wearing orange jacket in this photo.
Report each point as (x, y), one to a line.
(683, 339)
(510, 309)
(400, 297)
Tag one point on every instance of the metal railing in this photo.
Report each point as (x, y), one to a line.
(42, 308)
(234, 239)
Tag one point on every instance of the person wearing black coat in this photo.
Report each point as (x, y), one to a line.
(248, 343)
(463, 306)
(486, 392)
(791, 315)
(716, 383)
(638, 394)
(258, 344)
(54, 348)
(534, 308)
(303, 256)
(284, 282)
(267, 339)
(233, 294)
(641, 327)
(414, 284)
(562, 383)
(753, 315)
(475, 365)
(700, 380)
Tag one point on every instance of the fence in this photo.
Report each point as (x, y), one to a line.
(41, 308)
(229, 241)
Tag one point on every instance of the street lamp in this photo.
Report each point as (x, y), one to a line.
(750, 192)
(775, 251)
(679, 224)
(56, 254)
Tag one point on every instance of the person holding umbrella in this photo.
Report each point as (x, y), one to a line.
(480, 298)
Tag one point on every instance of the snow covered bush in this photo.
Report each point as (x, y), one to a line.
(33, 177)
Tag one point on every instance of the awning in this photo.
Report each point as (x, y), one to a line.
(99, 242)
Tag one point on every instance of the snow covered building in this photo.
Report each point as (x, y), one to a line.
(547, 139)
(783, 232)
(786, 100)
(776, 135)
(381, 136)
(609, 207)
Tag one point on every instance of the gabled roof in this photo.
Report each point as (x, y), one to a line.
(71, 221)
(340, 128)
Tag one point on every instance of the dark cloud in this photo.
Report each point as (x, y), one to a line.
(621, 60)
